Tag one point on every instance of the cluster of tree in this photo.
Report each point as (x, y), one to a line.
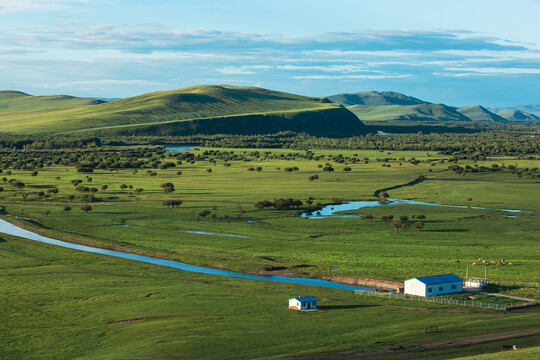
(398, 224)
(280, 204)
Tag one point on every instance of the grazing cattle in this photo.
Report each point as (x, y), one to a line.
(457, 261)
(493, 262)
(474, 263)
(506, 347)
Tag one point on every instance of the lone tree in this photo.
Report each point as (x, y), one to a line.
(67, 208)
(313, 177)
(86, 208)
(172, 203)
(76, 182)
(328, 169)
(385, 218)
(347, 169)
(419, 225)
(167, 187)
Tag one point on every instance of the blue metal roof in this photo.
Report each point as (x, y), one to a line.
(306, 299)
(439, 279)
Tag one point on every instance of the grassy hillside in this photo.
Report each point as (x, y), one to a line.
(14, 101)
(375, 98)
(392, 106)
(199, 109)
(480, 113)
(518, 115)
(423, 112)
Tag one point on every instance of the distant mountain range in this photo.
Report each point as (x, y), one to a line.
(526, 109)
(208, 109)
(226, 109)
(392, 106)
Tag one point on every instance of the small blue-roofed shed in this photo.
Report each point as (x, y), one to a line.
(434, 285)
(303, 303)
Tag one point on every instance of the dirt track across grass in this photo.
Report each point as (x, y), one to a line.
(426, 346)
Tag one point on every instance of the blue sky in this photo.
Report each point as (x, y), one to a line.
(459, 53)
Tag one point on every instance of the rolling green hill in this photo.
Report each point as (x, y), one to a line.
(518, 115)
(392, 106)
(423, 112)
(375, 98)
(11, 101)
(479, 113)
(206, 109)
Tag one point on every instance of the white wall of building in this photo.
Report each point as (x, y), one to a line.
(418, 288)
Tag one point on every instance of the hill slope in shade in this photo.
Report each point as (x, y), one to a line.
(375, 98)
(518, 115)
(424, 112)
(203, 109)
(479, 113)
(11, 101)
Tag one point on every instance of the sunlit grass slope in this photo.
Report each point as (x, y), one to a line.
(199, 109)
(421, 112)
(15, 101)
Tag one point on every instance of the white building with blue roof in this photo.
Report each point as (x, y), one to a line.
(303, 303)
(434, 285)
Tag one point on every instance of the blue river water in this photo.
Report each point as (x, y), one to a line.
(178, 148)
(331, 210)
(11, 229)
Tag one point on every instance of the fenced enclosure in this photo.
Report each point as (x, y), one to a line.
(443, 300)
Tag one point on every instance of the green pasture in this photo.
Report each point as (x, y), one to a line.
(58, 303)
(277, 240)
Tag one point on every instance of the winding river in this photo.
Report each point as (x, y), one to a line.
(331, 210)
(11, 229)
(327, 211)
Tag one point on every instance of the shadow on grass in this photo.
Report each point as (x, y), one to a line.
(340, 307)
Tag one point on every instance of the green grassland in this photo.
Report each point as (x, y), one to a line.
(422, 112)
(276, 239)
(198, 109)
(58, 303)
(14, 101)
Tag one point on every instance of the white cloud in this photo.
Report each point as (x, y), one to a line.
(35, 5)
(235, 71)
(321, 77)
(495, 70)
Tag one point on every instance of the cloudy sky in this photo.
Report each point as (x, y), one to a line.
(459, 52)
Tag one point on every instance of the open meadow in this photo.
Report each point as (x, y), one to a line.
(62, 304)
